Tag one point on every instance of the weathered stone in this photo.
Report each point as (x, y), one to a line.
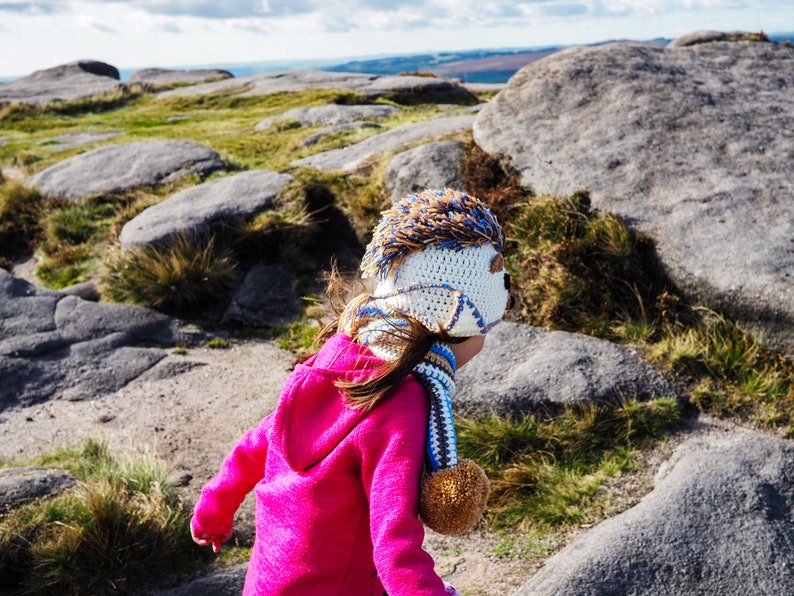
(164, 76)
(432, 165)
(696, 37)
(266, 298)
(195, 210)
(372, 86)
(117, 168)
(22, 485)
(530, 370)
(330, 115)
(75, 80)
(226, 582)
(352, 157)
(719, 521)
(58, 346)
(321, 134)
(691, 145)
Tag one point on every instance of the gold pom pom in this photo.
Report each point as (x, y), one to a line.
(452, 500)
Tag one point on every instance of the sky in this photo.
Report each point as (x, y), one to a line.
(131, 34)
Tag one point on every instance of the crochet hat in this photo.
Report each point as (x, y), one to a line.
(436, 258)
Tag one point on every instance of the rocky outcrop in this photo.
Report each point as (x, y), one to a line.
(117, 168)
(266, 298)
(54, 346)
(22, 485)
(165, 76)
(431, 165)
(353, 157)
(67, 82)
(197, 209)
(371, 86)
(531, 370)
(719, 521)
(330, 115)
(690, 145)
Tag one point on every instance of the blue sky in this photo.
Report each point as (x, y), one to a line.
(164, 33)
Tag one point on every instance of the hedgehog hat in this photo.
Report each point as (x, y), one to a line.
(436, 258)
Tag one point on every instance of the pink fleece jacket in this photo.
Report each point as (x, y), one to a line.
(336, 487)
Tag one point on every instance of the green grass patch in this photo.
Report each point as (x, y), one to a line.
(122, 526)
(732, 372)
(546, 473)
(183, 275)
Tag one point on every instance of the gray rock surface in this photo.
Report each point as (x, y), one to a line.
(707, 36)
(524, 369)
(318, 136)
(24, 484)
(165, 76)
(432, 165)
(691, 145)
(117, 168)
(352, 157)
(195, 209)
(371, 86)
(66, 82)
(330, 115)
(54, 346)
(266, 298)
(719, 521)
(226, 582)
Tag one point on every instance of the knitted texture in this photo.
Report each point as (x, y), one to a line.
(433, 255)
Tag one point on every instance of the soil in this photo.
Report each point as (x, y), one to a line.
(190, 420)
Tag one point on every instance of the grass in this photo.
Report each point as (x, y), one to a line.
(122, 526)
(546, 473)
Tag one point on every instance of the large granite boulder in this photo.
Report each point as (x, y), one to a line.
(196, 209)
(691, 145)
(21, 485)
(372, 86)
(719, 521)
(58, 346)
(353, 157)
(117, 168)
(531, 370)
(266, 298)
(165, 76)
(431, 165)
(75, 80)
(330, 115)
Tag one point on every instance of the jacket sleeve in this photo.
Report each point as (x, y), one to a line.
(240, 471)
(392, 443)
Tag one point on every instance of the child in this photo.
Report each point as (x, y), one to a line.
(337, 468)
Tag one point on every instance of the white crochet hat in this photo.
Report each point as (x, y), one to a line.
(436, 256)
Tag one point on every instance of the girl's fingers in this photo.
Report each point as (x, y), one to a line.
(216, 545)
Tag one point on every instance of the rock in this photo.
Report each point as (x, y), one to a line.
(58, 346)
(24, 484)
(86, 290)
(117, 168)
(432, 165)
(530, 370)
(196, 209)
(330, 115)
(353, 157)
(696, 37)
(372, 86)
(226, 582)
(164, 76)
(76, 139)
(312, 139)
(67, 82)
(689, 145)
(717, 522)
(265, 299)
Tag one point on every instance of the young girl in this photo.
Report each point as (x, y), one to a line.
(338, 467)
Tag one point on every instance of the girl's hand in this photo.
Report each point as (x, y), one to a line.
(215, 540)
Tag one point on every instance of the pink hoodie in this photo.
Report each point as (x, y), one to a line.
(337, 488)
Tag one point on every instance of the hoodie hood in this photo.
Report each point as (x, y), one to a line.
(312, 416)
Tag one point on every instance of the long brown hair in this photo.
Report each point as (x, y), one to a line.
(411, 341)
